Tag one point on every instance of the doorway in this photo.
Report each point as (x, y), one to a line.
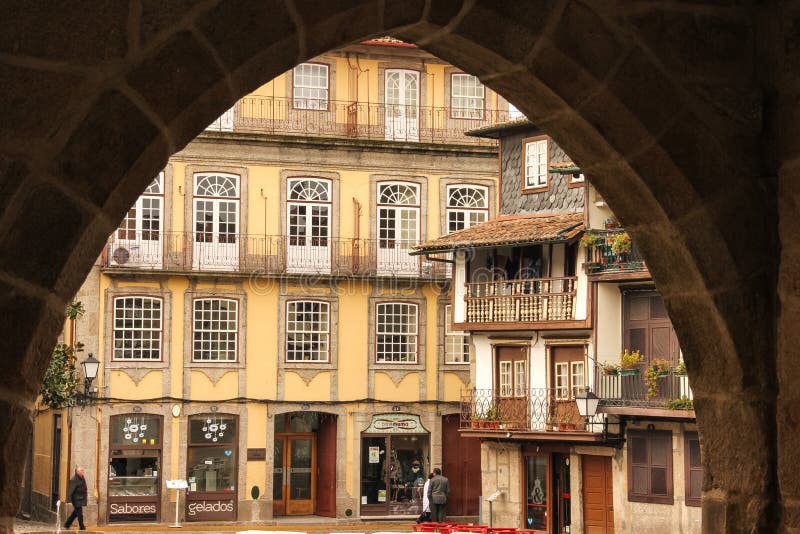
(461, 462)
(511, 385)
(598, 495)
(402, 105)
(547, 493)
(55, 479)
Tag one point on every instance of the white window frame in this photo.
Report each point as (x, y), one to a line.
(506, 377)
(577, 377)
(306, 95)
(322, 204)
(535, 162)
(144, 330)
(132, 226)
(577, 178)
(210, 330)
(561, 379)
(456, 343)
(466, 206)
(316, 332)
(520, 377)
(468, 101)
(386, 331)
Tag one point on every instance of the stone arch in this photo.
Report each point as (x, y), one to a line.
(669, 135)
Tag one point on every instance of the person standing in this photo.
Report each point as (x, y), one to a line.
(426, 502)
(77, 494)
(438, 490)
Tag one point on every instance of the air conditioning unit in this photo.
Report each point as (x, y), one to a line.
(124, 255)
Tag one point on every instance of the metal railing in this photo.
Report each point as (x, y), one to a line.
(600, 256)
(267, 255)
(670, 390)
(537, 410)
(521, 301)
(358, 120)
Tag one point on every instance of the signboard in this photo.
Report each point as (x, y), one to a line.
(177, 484)
(211, 510)
(133, 511)
(256, 455)
(395, 423)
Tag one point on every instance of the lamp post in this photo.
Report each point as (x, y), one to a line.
(587, 404)
(90, 367)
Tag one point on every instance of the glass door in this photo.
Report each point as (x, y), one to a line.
(308, 248)
(402, 105)
(537, 491)
(293, 478)
(278, 501)
(216, 222)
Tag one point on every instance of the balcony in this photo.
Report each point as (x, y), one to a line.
(266, 255)
(671, 391)
(538, 410)
(601, 258)
(357, 120)
(521, 301)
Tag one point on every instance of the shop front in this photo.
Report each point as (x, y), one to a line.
(212, 468)
(547, 490)
(134, 474)
(395, 462)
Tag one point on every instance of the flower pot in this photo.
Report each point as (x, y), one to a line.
(628, 372)
(610, 372)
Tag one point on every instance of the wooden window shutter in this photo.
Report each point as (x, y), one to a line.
(650, 466)
(693, 469)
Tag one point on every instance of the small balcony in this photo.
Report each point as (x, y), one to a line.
(521, 301)
(601, 258)
(266, 255)
(357, 120)
(548, 411)
(668, 391)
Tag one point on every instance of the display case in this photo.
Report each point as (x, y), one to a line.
(135, 486)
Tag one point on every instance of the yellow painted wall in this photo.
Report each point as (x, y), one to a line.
(203, 388)
(407, 389)
(453, 387)
(317, 389)
(149, 386)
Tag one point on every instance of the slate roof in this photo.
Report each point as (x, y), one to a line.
(510, 230)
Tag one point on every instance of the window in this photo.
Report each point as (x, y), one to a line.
(535, 163)
(309, 207)
(693, 468)
(456, 343)
(216, 328)
(137, 328)
(647, 328)
(307, 331)
(466, 97)
(311, 86)
(650, 466)
(576, 179)
(396, 332)
(466, 206)
(143, 220)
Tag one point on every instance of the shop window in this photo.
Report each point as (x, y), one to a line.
(456, 342)
(693, 469)
(212, 461)
(396, 333)
(311, 86)
(536, 162)
(307, 331)
(137, 328)
(467, 95)
(134, 472)
(650, 466)
(215, 331)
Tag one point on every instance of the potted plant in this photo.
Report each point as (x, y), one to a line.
(680, 369)
(621, 243)
(609, 369)
(492, 417)
(629, 360)
(684, 403)
(658, 367)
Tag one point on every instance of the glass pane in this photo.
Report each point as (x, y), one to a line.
(300, 473)
(211, 469)
(133, 477)
(408, 470)
(694, 453)
(277, 471)
(695, 484)
(658, 481)
(135, 430)
(373, 470)
(536, 492)
(212, 429)
(661, 450)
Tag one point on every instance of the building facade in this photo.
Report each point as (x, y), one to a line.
(263, 332)
(552, 293)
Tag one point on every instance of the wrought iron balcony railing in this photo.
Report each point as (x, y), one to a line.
(668, 390)
(357, 120)
(600, 255)
(521, 301)
(266, 255)
(530, 410)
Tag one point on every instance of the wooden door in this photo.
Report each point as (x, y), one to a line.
(326, 466)
(511, 386)
(648, 328)
(461, 462)
(598, 495)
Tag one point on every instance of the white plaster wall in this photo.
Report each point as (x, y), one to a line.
(597, 214)
(483, 361)
(459, 279)
(538, 363)
(582, 287)
(558, 260)
(609, 323)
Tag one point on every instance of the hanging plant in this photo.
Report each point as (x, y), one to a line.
(621, 243)
(60, 379)
(588, 239)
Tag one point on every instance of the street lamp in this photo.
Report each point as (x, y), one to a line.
(90, 367)
(587, 404)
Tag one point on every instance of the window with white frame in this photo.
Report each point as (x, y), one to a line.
(505, 382)
(467, 95)
(307, 331)
(536, 161)
(216, 330)
(137, 328)
(576, 178)
(569, 379)
(577, 377)
(311, 86)
(520, 378)
(456, 344)
(396, 333)
(143, 220)
(466, 205)
(309, 206)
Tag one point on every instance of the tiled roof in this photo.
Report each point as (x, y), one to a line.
(511, 230)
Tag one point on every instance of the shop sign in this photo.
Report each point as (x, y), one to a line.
(211, 510)
(396, 423)
(374, 455)
(133, 511)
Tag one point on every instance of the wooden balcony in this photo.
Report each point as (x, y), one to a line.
(518, 303)
(603, 262)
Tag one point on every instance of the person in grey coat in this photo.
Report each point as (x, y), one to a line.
(438, 490)
(77, 494)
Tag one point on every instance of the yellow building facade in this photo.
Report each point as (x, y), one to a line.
(264, 334)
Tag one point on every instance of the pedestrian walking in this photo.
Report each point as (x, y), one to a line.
(438, 490)
(425, 516)
(77, 494)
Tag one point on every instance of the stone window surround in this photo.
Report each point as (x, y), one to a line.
(192, 294)
(376, 179)
(188, 192)
(331, 110)
(421, 303)
(523, 157)
(112, 354)
(333, 333)
(221, 331)
(109, 363)
(448, 181)
(334, 179)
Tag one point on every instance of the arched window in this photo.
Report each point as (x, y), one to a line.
(216, 185)
(216, 221)
(398, 194)
(398, 226)
(466, 205)
(143, 220)
(309, 190)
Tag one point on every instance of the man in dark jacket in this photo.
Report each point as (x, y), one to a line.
(438, 490)
(77, 495)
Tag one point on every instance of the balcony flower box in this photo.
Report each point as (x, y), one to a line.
(629, 372)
